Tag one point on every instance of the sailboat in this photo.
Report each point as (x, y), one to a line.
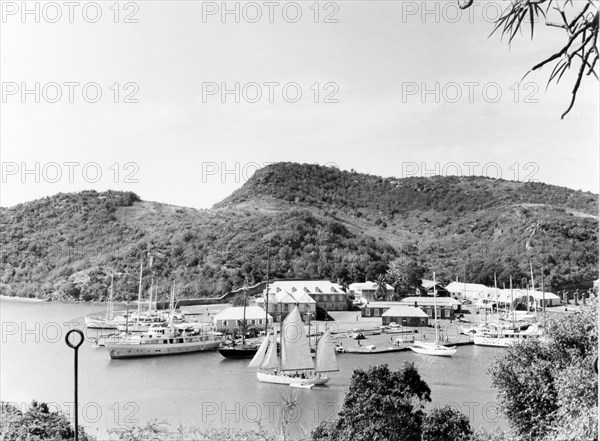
(294, 364)
(245, 350)
(106, 322)
(435, 348)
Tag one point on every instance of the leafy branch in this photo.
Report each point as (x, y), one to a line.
(581, 31)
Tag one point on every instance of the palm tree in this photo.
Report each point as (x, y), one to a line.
(381, 290)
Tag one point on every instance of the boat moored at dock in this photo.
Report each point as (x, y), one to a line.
(162, 340)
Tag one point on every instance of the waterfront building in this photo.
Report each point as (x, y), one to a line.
(308, 294)
(447, 307)
(232, 318)
(405, 315)
(468, 291)
(366, 291)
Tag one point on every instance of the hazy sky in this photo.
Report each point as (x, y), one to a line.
(412, 89)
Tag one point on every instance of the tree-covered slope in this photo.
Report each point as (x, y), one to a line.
(315, 222)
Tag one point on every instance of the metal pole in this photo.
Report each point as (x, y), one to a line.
(75, 347)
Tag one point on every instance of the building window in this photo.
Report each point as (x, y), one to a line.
(376, 310)
(341, 307)
(367, 312)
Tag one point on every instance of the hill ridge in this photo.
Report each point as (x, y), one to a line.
(316, 222)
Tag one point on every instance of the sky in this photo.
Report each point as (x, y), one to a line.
(181, 101)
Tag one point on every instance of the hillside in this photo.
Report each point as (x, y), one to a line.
(317, 222)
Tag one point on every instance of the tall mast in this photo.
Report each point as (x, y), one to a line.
(464, 282)
(140, 290)
(497, 300)
(267, 297)
(150, 295)
(437, 332)
(244, 320)
(109, 309)
(543, 297)
(512, 302)
(533, 290)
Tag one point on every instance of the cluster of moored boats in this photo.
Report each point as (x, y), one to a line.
(285, 355)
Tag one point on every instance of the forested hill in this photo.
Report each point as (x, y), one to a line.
(315, 222)
(327, 187)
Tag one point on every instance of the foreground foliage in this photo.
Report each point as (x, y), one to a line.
(549, 389)
(37, 423)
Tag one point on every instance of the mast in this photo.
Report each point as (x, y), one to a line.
(437, 332)
(244, 319)
(543, 297)
(140, 290)
(497, 300)
(267, 297)
(109, 309)
(533, 290)
(512, 302)
(150, 296)
(464, 282)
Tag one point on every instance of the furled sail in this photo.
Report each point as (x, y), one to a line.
(326, 361)
(271, 361)
(295, 350)
(260, 354)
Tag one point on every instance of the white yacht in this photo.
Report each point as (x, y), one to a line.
(161, 340)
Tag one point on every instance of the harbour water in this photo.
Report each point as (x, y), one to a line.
(201, 389)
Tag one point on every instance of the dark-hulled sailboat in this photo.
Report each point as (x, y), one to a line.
(244, 350)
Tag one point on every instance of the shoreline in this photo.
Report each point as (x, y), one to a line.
(22, 299)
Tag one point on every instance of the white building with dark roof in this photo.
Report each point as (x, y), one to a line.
(470, 291)
(232, 318)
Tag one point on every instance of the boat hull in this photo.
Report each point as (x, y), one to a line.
(99, 323)
(237, 352)
(267, 377)
(436, 349)
(491, 341)
(436, 352)
(120, 351)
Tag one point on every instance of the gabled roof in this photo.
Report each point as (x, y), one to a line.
(305, 286)
(404, 311)
(290, 297)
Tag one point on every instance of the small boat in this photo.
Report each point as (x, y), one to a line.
(430, 348)
(294, 362)
(433, 348)
(302, 385)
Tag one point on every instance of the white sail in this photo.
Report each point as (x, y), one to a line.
(295, 350)
(326, 361)
(260, 354)
(271, 361)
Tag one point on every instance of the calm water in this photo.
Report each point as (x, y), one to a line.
(200, 389)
